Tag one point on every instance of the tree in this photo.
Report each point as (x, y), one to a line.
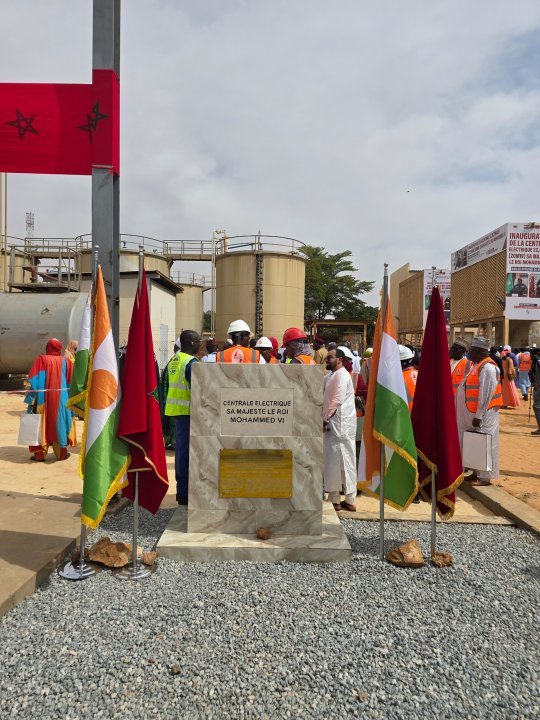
(207, 321)
(329, 291)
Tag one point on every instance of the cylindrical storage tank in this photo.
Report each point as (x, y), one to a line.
(282, 286)
(28, 320)
(284, 283)
(129, 262)
(189, 309)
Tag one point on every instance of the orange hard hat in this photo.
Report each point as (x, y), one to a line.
(293, 334)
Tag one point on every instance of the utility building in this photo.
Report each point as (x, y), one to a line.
(412, 290)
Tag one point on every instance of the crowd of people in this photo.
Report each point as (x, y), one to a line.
(345, 394)
(484, 379)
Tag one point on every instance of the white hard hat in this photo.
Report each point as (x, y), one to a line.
(345, 350)
(238, 326)
(405, 353)
(263, 342)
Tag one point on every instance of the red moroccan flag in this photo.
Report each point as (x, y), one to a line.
(434, 415)
(60, 128)
(140, 418)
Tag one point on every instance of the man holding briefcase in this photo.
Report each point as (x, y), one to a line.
(478, 400)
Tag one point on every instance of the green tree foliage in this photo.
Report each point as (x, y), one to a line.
(331, 289)
(207, 321)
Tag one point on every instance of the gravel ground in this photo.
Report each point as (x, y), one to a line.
(286, 640)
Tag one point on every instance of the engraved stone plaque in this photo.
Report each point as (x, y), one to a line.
(255, 473)
(259, 411)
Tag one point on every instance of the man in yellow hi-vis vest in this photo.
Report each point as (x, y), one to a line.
(178, 404)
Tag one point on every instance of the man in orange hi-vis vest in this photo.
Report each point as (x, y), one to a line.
(459, 364)
(295, 344)
(239, 352)
(478, 400)
(410, 373)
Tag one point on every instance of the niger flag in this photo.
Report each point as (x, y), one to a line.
(140, 419)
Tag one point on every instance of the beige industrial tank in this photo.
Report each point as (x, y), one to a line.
(266, 289)
(129, 262)
(189, 309)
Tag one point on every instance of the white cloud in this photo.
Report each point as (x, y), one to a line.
(309, 119)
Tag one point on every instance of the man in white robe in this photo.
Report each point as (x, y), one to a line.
(339, 425)
(483, 420)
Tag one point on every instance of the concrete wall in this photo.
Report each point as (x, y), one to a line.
(397, 277)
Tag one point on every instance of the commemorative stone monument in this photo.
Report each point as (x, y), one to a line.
(256, 463)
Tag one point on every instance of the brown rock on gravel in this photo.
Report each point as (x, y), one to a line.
(149, 558)
(111, 554)
(407, 555)
(442, 558)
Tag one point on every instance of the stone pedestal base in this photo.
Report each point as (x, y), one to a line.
(332, 546)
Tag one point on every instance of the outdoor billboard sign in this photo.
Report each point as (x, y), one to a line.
(521, 241)
(442, 279)
(523, 272)
(490, 244)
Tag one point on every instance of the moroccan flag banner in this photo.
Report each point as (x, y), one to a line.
(140, 417)
(79, 379)
(60, 128)
(434, 415)
(104, 458)
(387, 423)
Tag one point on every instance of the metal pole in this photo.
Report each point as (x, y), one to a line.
(433, 512)
(83, 571)
(5, 230)
(213, 288)
(433, 474)
(134, 571)
(3, 242)
(383, 456)
(105, 185)
(135, 538)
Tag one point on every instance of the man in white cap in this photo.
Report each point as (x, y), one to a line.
(478, 400)
(264, 346)
(339, 426)
(239, 352)
(410, 373)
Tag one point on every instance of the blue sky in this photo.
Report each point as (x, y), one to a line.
(398, 130)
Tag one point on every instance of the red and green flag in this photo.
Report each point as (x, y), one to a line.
(140, 419)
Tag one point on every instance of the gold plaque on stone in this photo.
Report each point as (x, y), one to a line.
(255, 473)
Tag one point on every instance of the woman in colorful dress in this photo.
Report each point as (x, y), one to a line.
(509, 391)
(49, 380)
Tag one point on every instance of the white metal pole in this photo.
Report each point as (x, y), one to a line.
(383, 456)
(433, 512)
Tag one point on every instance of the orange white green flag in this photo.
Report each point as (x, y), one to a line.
(79, 378)
(104, 457)
(387, 424)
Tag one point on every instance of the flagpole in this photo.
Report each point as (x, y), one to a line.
(383, 457)
(433, 474)
(70, 571)
(134, 571)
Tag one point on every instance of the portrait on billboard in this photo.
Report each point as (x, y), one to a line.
(517, 285)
